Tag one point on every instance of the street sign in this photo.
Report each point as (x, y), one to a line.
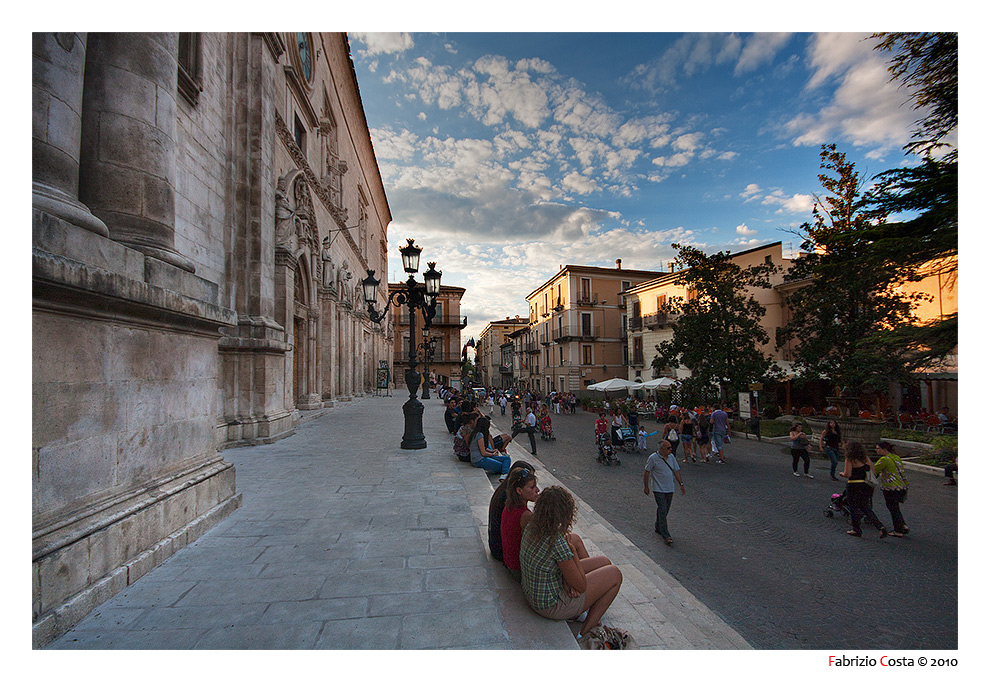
(756, 387)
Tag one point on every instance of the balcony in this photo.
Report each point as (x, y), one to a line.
(635, 323)
(575, 332)
(656, 320)
(504, 370)
(585, 298)
(558, 306)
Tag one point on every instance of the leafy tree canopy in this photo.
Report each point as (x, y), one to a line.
(718, 332)
(846, 312)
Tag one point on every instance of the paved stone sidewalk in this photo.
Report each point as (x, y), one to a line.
(345, 541)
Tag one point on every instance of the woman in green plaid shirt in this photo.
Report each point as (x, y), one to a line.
(558, 582)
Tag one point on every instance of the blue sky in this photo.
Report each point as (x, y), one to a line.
(508, 154)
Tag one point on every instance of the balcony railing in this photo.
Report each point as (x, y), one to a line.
(656, 320)
(635, 323)
(585, 298)
(578, 331)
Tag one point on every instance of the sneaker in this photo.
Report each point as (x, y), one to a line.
(503, 477)
(808, 476)
(796, 473)
(883, 533)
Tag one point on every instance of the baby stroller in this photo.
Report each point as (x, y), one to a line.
(546, 429)
(627, 436)
(837, 504)
(606, 454)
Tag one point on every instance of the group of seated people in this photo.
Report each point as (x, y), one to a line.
(473, 441)
(559, 579)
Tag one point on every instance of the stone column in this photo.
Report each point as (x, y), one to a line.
(127, 163)
(58, 62)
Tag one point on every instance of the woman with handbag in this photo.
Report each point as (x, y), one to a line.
(858, 473)
(893, 485)
(672, 434)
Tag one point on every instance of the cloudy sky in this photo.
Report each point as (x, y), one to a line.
(507, 155)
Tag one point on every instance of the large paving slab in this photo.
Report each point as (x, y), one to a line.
(345, 541)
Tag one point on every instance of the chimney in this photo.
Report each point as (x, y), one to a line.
(670, 266)
(618, 263)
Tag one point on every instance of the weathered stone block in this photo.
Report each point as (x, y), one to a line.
(63, 574)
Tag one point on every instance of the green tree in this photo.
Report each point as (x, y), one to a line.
(718, 332)
(848, 311)
(924, 240)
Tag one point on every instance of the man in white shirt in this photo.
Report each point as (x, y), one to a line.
(530, 428)
(658, 478)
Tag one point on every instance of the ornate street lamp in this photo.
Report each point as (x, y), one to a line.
(415, 297)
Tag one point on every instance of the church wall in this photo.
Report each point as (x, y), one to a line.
(163, 336)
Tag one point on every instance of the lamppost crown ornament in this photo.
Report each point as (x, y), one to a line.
(410, 256)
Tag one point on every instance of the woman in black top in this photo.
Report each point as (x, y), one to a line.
(799, 449)
(687, 436)
(859, 493)
(830, 442)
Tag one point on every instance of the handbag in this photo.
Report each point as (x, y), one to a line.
(869, 478)
(605, 637)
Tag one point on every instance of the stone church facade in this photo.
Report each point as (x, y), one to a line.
(204, 208)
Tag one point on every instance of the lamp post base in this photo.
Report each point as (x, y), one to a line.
(413, 438)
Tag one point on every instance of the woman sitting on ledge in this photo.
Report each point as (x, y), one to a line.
(558, 583)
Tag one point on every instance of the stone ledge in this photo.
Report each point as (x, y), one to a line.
(61, 619)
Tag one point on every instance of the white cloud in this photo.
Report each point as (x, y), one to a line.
(751, 192)
(696, 53)
(383, 43)
(579, 183)
(866, 109)
(744, 230)
(760, 49)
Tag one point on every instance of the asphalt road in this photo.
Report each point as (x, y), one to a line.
(752, 543)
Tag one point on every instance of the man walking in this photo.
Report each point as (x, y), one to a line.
(658, 477)
(502, 402)
(720, 429)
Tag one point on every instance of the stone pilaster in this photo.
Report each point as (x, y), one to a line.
(58, 63)
(255, 355)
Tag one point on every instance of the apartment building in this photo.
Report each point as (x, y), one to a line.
(577, 328)
(648, 326)
(444, 335)
(492, 367)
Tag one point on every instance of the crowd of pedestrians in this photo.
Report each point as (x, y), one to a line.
(530, 531)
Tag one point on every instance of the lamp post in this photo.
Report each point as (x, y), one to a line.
(415, 297)
(429, 347)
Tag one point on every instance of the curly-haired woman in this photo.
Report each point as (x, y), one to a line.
(557, 582)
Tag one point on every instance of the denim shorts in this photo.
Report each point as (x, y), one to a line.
(686, 437)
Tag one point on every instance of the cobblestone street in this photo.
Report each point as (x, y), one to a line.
(752, 544)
